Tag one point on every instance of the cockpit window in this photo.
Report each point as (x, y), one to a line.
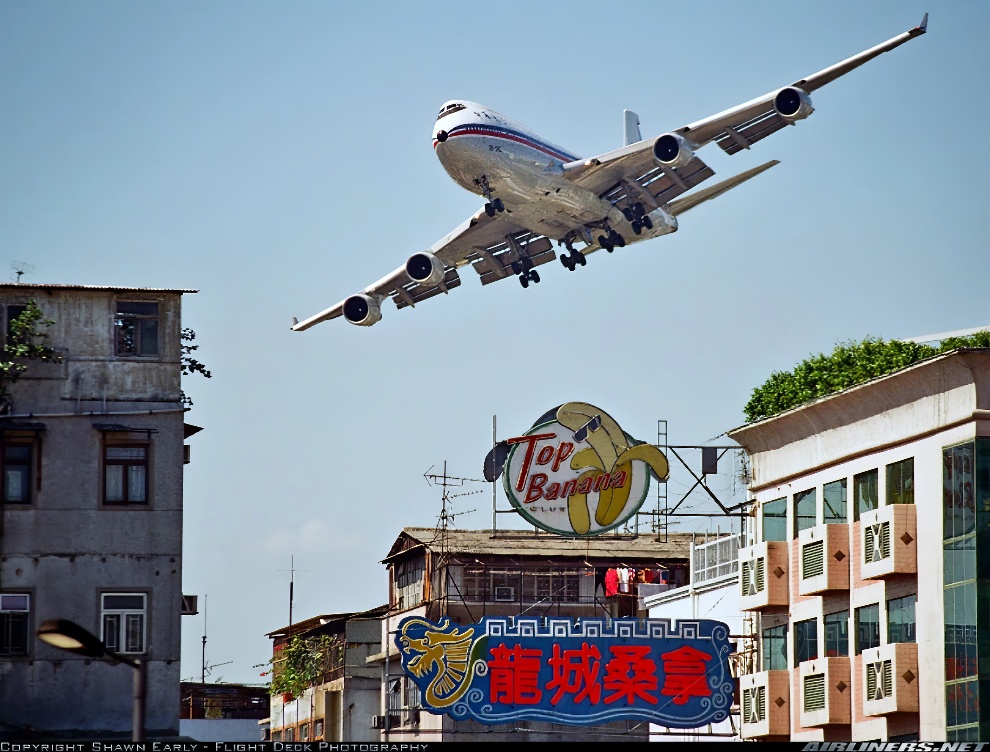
(450, 109)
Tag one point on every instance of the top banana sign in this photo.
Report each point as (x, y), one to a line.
(576, 471)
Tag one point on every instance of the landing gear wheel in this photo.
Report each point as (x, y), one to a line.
(629, 214)
(582, 259)
(535, 276)
(638, 210)
(637, 227)
(499, 206)
(646, 222)
(568, 262)
(489, 210)
(617, 239)
(524, 280)
(605, 243)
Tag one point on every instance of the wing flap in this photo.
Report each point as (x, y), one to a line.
(495, 263)
(416, 293)
(663, 183)
(734, 140)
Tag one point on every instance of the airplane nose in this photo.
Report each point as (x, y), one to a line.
(441, 136)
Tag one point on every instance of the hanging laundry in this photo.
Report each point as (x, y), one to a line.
(611, 583)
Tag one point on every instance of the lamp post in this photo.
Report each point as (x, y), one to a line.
(69, 636)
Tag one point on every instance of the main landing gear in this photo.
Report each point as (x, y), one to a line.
(524, 268)
(637, 217)
(494, 204)
(574, 257)
(611, 241)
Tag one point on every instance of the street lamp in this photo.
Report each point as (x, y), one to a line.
(69, 636)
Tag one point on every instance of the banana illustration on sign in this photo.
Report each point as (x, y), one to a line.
(609, 452)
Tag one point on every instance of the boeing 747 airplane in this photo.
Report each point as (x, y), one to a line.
(537, 193)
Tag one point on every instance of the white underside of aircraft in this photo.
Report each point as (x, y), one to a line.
(538, 193)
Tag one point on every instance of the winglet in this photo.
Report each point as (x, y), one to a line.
(923, 26)
(294, 321)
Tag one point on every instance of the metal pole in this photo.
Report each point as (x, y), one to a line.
(140, 692)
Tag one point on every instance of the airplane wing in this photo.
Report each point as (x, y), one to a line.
(733, 130)
(490, 244)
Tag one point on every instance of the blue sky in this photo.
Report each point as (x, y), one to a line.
(277, 158)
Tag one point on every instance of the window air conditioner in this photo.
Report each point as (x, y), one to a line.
(505, 593)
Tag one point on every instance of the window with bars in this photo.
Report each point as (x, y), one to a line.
(812, 559)
(814, 692)
(124, 617)
(15, 611)
(409, 583)
(125, 473)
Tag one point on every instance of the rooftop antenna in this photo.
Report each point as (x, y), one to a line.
(446, 518)
(203, 678)
(20, 268)
(292, 585)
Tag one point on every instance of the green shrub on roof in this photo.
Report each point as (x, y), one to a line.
(850, 363)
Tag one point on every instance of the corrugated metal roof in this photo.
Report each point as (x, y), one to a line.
(524, 543)
(35, 286)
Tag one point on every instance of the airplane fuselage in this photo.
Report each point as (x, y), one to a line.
(478, 146)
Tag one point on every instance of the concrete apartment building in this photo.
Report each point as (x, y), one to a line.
(92, 462)
(865, 578)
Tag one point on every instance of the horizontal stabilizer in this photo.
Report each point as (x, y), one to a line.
(681, 205)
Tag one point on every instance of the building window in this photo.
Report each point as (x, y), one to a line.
(805, 640)
(290, 734)
(125, 476)
(13, 313)
(867, 627)
(865, 491)
(775, 648)
(304, 732)
(276, 736)
(775, 520)
(409, 583)
(551, 585)
(318, 730)
(410, 696)
(136, 327)
(475, 578)
(16, 471)
(14, 613)
(834, 498)
(900, 482)
(837, 634)
(124, 619)
(900, 619)
(805, 513)
(505, 585)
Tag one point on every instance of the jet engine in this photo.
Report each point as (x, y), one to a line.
(792, 103)
(672, 150)
(425, 269)
(362, 310)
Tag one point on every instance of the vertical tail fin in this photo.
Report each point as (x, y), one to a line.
(630, 127)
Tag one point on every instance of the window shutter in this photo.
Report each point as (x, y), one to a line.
(813, 559)
(814, 692)
(877, 542)
(879, 680)
(754, 705)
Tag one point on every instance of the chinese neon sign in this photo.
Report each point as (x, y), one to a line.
(576, 471)
(572, 671)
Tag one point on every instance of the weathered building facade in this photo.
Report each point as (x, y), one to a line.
(469, 574)
(92, 462)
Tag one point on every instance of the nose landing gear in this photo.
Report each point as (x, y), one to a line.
(493, 205)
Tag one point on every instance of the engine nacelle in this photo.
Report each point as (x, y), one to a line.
(792, 103)
(362, 310)
(425, 269)
(672, 150)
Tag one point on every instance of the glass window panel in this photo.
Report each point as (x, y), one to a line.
(137, 309)
(834, 507)
(149, 337)
(900, 619)
(114, 483)
(14, 602)
(805, 512)
(134, 624)
(867, 627)
(15, 484)
(775, 520)
(111, 637)
(136, 485)
(123, 602)
(837, 634)
(775, 648)
(17, 453)
(805, 640)
(900, 482)
(126, 453)
(865, 492)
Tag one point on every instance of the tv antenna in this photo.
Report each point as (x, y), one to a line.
(20, 268)
(292, 587)
(446, 482)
